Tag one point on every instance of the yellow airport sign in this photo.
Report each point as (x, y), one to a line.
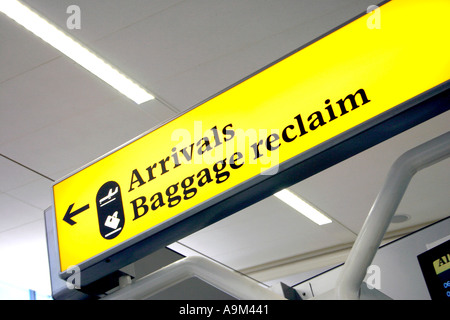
(337, 84)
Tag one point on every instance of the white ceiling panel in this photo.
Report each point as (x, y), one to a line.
(14, 213)
(14, 175)
(48, 94)
(37, 193)
(197, 48)
(20, 51)
(427, 197)
(24, 257)
(99, 18)
(72, 142)
(348, 190)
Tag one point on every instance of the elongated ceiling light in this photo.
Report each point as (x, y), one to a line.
(302, 206)
(74, 50)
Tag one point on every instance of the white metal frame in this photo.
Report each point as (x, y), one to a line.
(223, 278)
(372, 233)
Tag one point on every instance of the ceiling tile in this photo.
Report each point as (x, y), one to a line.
(158, 111)
(14, 213)
(20, 50)
(13, 175)
(37, 193)
(48, 94)
(426, 198)
(99, 18)
(210, 33)
(24, 257)
(57, 149)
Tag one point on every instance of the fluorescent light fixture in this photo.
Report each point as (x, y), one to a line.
(302, 206)
(74, 50)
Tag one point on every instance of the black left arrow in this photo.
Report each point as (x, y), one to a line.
(69, 215)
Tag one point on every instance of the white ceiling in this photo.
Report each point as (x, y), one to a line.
(55, 117)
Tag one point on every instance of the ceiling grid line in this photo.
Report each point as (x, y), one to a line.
(28, 168)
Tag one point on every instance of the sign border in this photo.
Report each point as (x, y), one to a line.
(347, 144)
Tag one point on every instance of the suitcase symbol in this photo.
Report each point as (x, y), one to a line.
(112, 221)
(111, 218)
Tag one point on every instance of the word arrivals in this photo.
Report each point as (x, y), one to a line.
(184, 155)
